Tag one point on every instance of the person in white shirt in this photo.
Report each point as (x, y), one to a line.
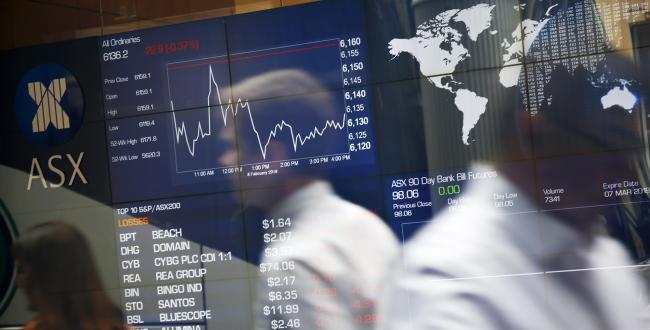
(478, 268)
(343, 255)
(334, 257)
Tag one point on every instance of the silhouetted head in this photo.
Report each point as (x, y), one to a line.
(276, 113)
(57, 272)
(283, 115)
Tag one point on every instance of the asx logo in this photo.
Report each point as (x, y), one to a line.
(49, 109)
(49, 115)
(74, 164)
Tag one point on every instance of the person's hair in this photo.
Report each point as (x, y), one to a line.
(62, 274)
(308, 106)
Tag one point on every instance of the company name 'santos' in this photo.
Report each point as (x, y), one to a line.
(120, 41)
(67, 168)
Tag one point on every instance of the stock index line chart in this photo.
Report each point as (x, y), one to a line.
(292, 96)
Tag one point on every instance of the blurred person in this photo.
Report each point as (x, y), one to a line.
(478, 267)
(340, 253)
(58, 275)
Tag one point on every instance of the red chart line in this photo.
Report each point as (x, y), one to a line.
(243, 58)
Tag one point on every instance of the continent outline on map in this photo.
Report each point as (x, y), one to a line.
(438, 49)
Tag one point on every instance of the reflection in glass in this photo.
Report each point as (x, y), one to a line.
(57, 273)
(551, 248)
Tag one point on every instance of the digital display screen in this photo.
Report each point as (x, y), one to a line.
(276, 169)
(213, 107)
(187, 97)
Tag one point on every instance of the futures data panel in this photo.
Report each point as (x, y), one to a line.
(413, 199)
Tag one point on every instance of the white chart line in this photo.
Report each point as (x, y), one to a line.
(297, 139)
